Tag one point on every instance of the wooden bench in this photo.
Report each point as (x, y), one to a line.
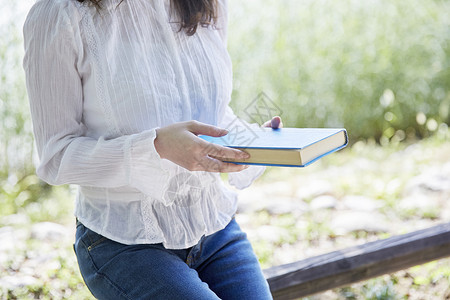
(350, 265)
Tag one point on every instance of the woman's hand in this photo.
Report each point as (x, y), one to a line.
(274, 123)
(179, 143)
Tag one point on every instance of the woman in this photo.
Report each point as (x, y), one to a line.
(119, 91)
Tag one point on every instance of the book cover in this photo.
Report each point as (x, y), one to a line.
(290, 147)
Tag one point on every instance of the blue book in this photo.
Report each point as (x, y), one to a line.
(287, 147)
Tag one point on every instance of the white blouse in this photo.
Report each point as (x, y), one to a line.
(99, 84)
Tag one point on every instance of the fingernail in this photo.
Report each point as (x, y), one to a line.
(245, 155)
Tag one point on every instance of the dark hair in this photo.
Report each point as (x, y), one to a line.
(191, 13)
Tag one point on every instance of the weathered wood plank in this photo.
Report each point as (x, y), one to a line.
(358, 263)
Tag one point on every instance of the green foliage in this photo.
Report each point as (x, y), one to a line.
(16, 142)
(59, 278)
(379, 290)
(19, 191)
(379, 68)
(18, 186)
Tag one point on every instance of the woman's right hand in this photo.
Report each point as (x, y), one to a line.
(180, 144)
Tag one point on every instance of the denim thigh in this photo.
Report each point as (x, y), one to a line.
(113, 270)
(221, 266)
(227, 262)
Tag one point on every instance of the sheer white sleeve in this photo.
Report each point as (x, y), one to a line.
(67, 156)
(244, 178)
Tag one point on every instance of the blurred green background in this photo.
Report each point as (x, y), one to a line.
(379, 68)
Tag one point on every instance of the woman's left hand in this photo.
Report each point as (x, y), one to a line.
(274, 123)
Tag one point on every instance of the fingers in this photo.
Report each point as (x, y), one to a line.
(214, 165)
(178, 143)
(274, 123)
(221, 152)
(206, 129)
(208, 156)
(267, 124)
(211, 158)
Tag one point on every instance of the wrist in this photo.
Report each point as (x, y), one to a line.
(157, 142)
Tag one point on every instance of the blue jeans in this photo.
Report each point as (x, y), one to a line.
(221, 266)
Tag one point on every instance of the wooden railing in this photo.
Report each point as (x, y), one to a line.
(343, 267)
